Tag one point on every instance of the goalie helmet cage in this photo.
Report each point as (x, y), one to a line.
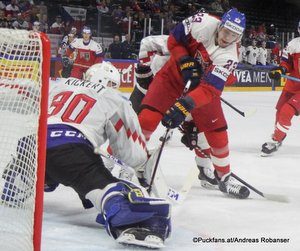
(24, 79)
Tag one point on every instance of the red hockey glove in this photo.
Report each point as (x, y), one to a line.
(190, 70)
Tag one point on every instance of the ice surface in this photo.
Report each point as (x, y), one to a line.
(206, 213)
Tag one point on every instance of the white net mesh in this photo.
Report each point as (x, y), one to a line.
(20, 91)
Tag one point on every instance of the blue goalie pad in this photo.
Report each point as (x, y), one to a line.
(125, 205)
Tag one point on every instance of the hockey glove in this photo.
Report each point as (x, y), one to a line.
(190, 70)
(276, 73)
(66, 61)
(178, 112)
(143, 75)
(190, 135)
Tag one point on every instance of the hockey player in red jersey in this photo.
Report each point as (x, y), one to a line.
(204, 53)
(288, 104)
(153, 55)
(88, 53)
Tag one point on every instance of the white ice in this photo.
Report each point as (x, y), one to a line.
(206, 213)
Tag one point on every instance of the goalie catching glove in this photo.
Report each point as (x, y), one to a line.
(276, 73)
(190, 70)
(178, 112)
(132, 218)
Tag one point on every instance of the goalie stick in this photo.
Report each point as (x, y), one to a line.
(160, 187)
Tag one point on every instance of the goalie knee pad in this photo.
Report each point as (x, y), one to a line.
(124, 206)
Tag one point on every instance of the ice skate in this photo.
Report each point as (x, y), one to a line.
(207, 178)
(228, 186)
(270, 147)
(140, 237)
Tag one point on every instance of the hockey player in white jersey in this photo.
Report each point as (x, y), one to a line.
(252, 52)
(82, 115)
(153, 55)
(262, 54)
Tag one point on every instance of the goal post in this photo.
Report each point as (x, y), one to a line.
(24, 78)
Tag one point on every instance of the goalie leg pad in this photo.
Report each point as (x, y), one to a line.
(124, 206)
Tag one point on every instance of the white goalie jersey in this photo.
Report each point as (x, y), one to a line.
(100, 114)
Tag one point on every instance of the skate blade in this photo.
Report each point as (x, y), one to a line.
(150, 241)
(262, 154)
(205, 184)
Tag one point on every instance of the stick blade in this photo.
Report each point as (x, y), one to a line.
(277, 197)
(250, 112)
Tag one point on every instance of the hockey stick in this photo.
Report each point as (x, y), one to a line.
(191, 177)
(251, 68)
(185, 90)
(106, 155)
(167, 192)
(244, 114)
(273, 197)
(290, 77)
(157, 160)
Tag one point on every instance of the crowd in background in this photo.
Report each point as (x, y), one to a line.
(116, 15)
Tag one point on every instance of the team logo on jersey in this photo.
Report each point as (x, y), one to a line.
(221, 72)
(202, 61)
(85, 55)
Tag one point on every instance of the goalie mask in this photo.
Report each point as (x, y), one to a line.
(104, 73)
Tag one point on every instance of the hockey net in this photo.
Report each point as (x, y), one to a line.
(24, 77)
